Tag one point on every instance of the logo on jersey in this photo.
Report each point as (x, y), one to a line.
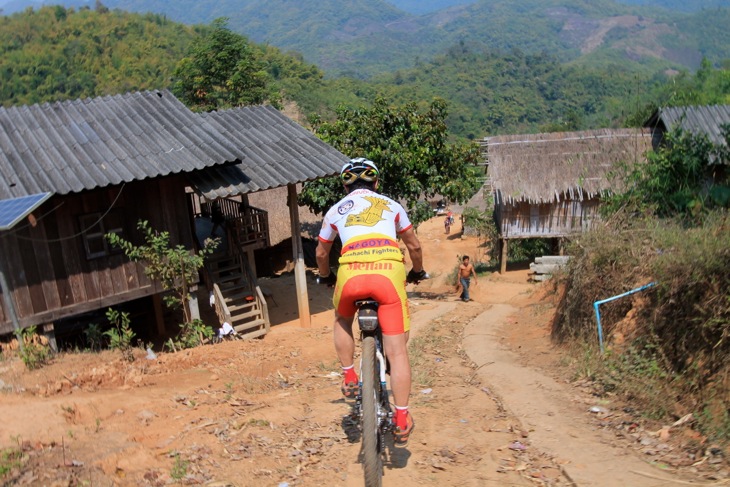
(371, 215)
(345, 207)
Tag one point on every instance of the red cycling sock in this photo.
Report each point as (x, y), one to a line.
(350, 374)
(401, 417)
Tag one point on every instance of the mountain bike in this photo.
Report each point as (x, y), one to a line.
(372, 406)
(371, 403)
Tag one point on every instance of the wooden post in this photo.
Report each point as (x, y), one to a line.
(250, 256)
(50, 335)
(503, 257)
(8, 297)
(300, 277)
(159, 314)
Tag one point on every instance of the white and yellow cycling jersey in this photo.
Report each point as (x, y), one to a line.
(368, 224)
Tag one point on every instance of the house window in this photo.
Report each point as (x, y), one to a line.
(93, 228)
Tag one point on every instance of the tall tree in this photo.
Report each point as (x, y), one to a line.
(410, 147)
(223, 70)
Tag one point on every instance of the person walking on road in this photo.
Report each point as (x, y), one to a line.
(466, 270)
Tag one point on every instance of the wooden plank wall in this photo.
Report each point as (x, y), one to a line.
(47, 267)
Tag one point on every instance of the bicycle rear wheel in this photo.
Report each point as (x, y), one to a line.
(372, 460)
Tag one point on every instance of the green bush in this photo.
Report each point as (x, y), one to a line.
(10, 458)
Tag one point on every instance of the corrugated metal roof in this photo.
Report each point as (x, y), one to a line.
(697, 120)
(71, 146)
(277, 152)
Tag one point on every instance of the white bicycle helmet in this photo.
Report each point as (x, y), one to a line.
(359, 168)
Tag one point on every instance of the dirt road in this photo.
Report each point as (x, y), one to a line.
(489, 404)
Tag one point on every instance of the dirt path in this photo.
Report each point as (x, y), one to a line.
(269, 412)
(556, 424)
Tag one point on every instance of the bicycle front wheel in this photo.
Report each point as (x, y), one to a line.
(372, 460)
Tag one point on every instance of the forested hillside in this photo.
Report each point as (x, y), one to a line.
(365, 37)
(419, 7)
(680, 5)
(56, 53)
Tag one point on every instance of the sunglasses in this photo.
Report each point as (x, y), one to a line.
(368, 175)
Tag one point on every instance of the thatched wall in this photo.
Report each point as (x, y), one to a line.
(274, 201)
(546, 220)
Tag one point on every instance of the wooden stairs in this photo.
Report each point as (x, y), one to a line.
(237, 298)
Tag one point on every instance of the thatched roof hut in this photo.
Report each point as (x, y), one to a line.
(549, 185)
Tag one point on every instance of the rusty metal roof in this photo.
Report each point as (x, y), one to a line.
(71, 146)
(277, 152)
(696, 119)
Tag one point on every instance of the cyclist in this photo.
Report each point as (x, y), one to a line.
(371, 266)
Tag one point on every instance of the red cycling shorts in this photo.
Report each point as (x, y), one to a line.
(385, 282)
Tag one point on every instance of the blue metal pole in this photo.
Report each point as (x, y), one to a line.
(613, 298)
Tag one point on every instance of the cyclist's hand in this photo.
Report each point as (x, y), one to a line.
(329, 280)
(416, 277)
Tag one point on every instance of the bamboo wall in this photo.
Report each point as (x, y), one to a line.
(525, 220)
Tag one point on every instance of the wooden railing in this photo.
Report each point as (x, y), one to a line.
(250, 228)
(246, 226)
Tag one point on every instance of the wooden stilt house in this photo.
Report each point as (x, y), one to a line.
(103, 164)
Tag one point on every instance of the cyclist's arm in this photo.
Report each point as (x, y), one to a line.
(323, 257)
(413, 245)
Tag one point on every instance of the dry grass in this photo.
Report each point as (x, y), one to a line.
(667, 348)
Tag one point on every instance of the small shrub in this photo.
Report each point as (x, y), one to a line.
(486, 229)
(10, 458)
(481, 267)
(34, 353)
(179, 468)
(714, 420)
(121, 335)
(526, 249)
(193, 334)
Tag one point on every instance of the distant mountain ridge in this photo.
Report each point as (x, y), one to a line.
(681, 5)
(361, 38)
(416, 7)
